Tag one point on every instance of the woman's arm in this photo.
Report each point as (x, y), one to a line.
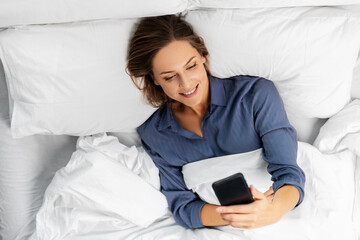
(210, 217)
(278, 137)
(280, 151)
(183, 203)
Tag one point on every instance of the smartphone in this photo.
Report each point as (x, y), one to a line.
(232, 190)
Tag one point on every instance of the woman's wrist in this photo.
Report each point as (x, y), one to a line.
(210, 217)
(285, 199)
(276, 211)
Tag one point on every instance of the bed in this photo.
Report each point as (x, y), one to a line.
(71, 162)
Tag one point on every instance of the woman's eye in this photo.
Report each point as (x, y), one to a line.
(168, 78)
(171, 77)
(192, 66)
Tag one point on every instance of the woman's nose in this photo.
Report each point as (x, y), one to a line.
(184, 81)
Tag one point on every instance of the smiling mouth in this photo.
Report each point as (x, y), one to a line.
(190, 93)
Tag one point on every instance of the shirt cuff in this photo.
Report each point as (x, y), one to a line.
(195, 214)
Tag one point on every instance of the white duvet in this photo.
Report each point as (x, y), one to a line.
(110, 191)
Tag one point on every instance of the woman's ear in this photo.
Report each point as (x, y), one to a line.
(203, 59)
(156, 82)
(154, 79)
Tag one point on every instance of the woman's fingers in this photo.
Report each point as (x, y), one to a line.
(240, 220)
(243, 208)
(255, 214)
(256, 194)
(269, 192)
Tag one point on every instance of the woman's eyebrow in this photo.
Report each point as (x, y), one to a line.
(184, 65)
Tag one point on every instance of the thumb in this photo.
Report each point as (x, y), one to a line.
(256, 194)
(269, 192)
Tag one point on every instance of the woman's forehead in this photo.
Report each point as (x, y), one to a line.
(174, 55)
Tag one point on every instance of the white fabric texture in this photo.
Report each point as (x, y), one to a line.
(266, 3)
(342, 131)
(104, 185)
(298, 48)
(4, 96)
(200, 175)
(307, 128)
(19, 12)
(85, 204)
(355, 88)
(27, 166)
(70, 79)
(47, 64)
(323, 212)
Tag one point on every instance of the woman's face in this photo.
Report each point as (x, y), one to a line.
(179, 69)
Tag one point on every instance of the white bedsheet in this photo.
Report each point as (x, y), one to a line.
(80, 213)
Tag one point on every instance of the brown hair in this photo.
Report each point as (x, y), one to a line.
(151, 35)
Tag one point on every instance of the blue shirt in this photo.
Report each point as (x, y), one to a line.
(245, 113)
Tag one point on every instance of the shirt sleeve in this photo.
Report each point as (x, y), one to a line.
(183, 203)
(278, 137)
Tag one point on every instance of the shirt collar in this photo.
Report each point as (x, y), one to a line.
(217, 91)
(217, 97)
(166, 117)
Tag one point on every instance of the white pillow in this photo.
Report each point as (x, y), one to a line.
(307, 128)
(308, 52)
(200, 175)
(102, 187)
(18, 12)
(267, 3)
(71, 79)
(341, 131)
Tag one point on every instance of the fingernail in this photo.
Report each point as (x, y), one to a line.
(219, 210)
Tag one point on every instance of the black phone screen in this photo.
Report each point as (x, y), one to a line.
(232, 190)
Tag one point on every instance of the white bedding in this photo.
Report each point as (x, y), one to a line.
(27, 165)
(75, 206)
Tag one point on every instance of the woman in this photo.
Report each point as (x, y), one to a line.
(201, 116)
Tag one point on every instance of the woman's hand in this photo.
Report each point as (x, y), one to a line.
(259, 213)
(267, 208)
(269, 194)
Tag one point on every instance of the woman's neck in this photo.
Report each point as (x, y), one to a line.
(198, 110)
